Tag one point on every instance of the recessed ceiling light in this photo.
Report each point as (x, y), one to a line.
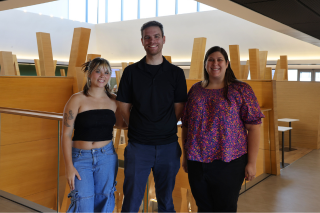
(25, 11)
(40, 14)
(51, 15)
(61, 17)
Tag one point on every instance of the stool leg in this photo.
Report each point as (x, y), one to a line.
(290, 137)
(282, 149)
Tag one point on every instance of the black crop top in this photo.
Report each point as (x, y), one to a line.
(94, 125)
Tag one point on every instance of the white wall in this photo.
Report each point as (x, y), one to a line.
(121, 41)
(18, 34)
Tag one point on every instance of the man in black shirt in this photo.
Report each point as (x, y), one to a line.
(151, 97)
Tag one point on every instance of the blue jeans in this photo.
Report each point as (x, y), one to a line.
(164, 160)
(98, 170)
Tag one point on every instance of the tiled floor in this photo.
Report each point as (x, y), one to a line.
(9, 206)
(297, 189)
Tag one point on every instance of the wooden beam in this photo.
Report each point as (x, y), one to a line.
(254, 64)
(168, 58)
(62, 72)
(263, 55)
(198, 52)
(123, 65)
(6, 62)
(54, 66)
(37, 66)
(275, 75)
(284, 65)
(16, 65)
(118, 77)
(131, 63)
(244, 71)
(93, 56)
(235, 60)
(78, 54)
(45, 54)
(268, 73)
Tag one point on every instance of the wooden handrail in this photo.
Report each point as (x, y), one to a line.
(32, 113)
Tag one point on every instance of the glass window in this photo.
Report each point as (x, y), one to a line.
(317, 76)
(204, 7)
(101, 11)
(114, 10)
(166, 7)
(77, 10)
(187, 6)
(305, 76)
(130, 9)
(292, 75)
(147, 8)
(93, 11)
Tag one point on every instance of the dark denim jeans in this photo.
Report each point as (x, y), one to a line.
(164, 160)
(98, 170)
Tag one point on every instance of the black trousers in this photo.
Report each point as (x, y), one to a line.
(216, 186)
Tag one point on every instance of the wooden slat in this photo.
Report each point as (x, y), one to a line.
(78, 54)
(93, 56)
(244, 71)
(198, 52)
(16, 65)
(62, 72)
(45, 54)
(254, 56)
(263, 55)
(168, 58)
(235, 60)
(131, 63)
(118, 77)
(6, 62)
(268, 73)
(284, 65)
(37, 66)
(275, 75)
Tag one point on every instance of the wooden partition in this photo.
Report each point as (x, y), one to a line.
(29, 146)
(300, 100)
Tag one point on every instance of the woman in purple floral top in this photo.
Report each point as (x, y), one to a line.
(220, 132)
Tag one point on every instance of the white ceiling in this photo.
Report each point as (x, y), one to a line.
(254, 17)
(11, 4)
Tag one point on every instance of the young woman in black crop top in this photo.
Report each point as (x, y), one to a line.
(90, 159)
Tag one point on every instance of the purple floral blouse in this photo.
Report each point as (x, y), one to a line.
(216, 129)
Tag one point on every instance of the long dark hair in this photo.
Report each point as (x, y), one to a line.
(229, 75)
(92, 65)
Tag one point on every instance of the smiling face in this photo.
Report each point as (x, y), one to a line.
(152, 41)
(100, 76)
(216, 66)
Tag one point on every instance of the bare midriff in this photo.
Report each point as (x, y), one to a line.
(87, 145)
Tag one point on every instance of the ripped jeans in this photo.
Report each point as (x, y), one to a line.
(98, 170)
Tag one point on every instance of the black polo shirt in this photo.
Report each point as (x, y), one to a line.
(152, 95)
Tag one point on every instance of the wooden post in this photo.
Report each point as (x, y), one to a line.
(131, 63)
(279, 73)
(263, 63)
(37, 66)
(62, 72)
(268, 73)
(284, 65)
(244, 71)
(198, 52)
(45, 54)
(78, 54)
(16, 65)
(235, 60)
(6, 62)
(93, 56)
(118, 77)
(168, 58)
(254, 63)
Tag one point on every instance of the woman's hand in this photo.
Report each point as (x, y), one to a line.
(250, 172)
(70, 175)
(185, 164)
